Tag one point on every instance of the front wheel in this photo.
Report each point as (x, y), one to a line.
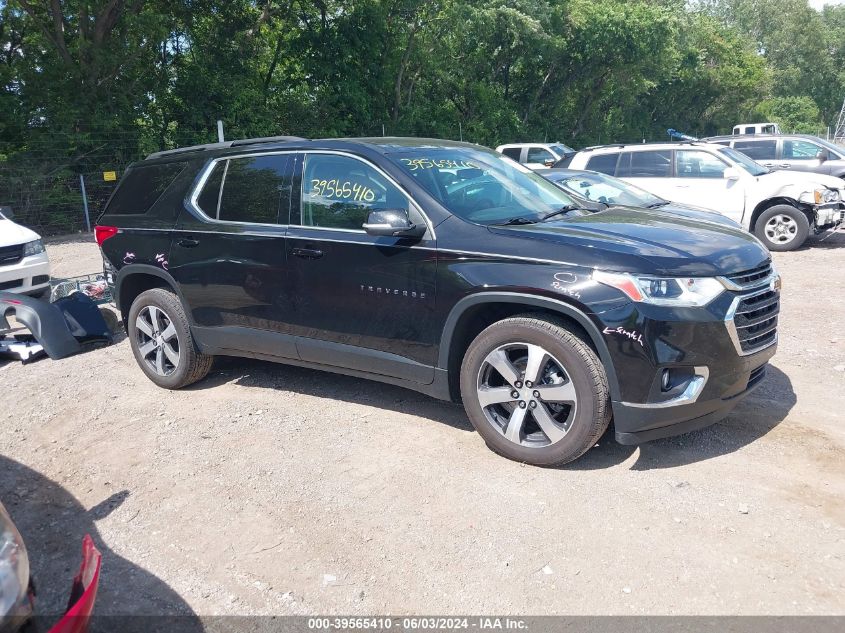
(161, 340)
(534, 391)
(782, 228)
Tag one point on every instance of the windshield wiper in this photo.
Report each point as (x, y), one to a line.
(655, 205)
(562, 211)
(513, 221)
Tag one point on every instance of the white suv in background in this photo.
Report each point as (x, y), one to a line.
(778, 207)
(536, 155)
(24, 266)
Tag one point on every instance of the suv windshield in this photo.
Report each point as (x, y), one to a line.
(755, 169)
(605, 189)
(482, 187)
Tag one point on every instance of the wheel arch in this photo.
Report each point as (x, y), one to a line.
(474, 313)
(134, 279)
(773, 202)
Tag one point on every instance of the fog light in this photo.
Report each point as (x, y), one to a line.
(665, 380)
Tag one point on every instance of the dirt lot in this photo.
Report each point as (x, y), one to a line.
(269, 489)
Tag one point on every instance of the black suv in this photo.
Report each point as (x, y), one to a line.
(445, 268)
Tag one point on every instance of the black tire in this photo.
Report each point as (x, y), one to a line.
(579, 362)
(798, 228)
(192, 365)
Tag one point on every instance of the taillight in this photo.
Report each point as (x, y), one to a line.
(102, 233)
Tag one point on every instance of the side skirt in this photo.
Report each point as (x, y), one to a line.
(283, 348)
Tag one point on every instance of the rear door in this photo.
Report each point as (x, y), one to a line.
(652, 170)
(764, 151)
(229, 254)
(362, 302)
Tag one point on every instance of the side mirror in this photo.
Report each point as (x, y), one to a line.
(549, 162)
(823, 155)
(732, 173)
(392, 223)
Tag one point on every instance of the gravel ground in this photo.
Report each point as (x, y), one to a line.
(268, 489)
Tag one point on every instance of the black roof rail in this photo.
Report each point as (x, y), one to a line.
(605, 145)
(224, 145)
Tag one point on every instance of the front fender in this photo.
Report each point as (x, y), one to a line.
(553, 305)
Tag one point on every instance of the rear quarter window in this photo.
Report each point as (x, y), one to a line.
(142, 186)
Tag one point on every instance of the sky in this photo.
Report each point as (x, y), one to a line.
(818, 4)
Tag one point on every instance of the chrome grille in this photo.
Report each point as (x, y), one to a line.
(752, 277)
(755, 320)
(11, 254)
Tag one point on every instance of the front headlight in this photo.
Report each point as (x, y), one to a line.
(33, 248)
(831, 195)
(680, 292)
(14, 566)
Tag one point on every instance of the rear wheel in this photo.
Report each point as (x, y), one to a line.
(161, 340)
(534, 391)
(782, 228)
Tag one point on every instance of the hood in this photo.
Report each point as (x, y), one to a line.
(695, 213)
(11, 234)
(640, 241)
(807, 179)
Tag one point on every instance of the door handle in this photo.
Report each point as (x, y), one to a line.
(188, 242)
(307, 253)
(785, 166)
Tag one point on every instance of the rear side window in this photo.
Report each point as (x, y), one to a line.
(647, 164)
(758, 150)
(142, 187)
(603, 163)
(249, 189)
(512, 152)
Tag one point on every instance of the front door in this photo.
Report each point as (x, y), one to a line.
(229, 256)
(802, 155)
(700, 180)
(361, 301)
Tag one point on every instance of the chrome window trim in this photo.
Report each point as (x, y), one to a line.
(689, 395)
(378, 169)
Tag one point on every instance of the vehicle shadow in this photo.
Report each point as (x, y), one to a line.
(321, 384)
(52, 523)
(753, 418)
(824, 241)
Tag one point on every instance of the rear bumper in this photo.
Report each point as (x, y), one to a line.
(636, 424)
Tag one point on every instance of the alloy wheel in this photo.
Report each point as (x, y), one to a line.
(157, 341)
(526, 394)
(781, 229)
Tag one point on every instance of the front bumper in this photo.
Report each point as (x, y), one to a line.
(680, 369)
(30, 275)
(635, 424)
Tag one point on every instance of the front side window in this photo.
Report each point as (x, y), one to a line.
(539, 155)
(758, 150)
(250, 189)
(698, 164)
(338, 192)
(645, 164)
(482, 186)
(800, 150)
